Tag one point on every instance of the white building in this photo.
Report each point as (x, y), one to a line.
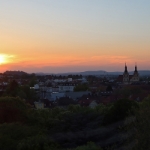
(66, 87)
(36, 87)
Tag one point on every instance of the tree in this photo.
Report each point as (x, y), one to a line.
(89, 146)
(38, 142)
(142, 126)
(29, 94)
(81, 87)
(120, 110)
(12, 88)
(16, 136)
(12, 110)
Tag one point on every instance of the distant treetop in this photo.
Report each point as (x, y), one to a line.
(14, 73)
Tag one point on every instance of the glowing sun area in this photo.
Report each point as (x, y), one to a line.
(2, 59)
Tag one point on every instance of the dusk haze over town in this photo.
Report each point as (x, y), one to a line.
(56, 36)
(74, 74)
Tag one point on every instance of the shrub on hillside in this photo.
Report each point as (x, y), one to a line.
(142, 126)
(12, 110)
(13, 133)
(89, 146)
(38, 142)
(120, 110)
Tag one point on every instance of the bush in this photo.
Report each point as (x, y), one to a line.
(38, 142)
(12, 110)
(13, 133)
(120, 110)
(142, 126)
(89, 146)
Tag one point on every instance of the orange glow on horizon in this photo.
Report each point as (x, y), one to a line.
(2, 59)
(6, 59)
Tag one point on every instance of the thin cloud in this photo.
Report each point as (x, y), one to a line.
(112, 59)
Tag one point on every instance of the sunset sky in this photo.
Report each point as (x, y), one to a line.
(56, 36)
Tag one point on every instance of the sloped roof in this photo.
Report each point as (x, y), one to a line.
(75, 95)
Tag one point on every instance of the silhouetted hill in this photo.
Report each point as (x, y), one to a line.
(15, 73)
(143, 72)
(85, 73)
(98, 73)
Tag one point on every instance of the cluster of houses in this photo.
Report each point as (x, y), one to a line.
(54, 91)
(59, 91)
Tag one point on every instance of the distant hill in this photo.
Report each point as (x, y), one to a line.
(144, 72)
(104, 73)
(98, 73)
(19, 73)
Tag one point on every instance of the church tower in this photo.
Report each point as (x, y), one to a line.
(135, 77)
(125, 75)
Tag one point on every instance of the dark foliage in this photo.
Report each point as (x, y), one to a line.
(65, 101)
(15, 136)
(12, 110)
(81, 87)
(120, 110)
(109, 88)
(59, 128)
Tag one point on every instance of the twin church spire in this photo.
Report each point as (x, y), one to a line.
(130, 78)
(126, 70)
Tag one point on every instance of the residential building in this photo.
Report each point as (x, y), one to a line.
(66, 87)
(77, 95)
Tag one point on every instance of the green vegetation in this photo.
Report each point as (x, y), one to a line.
(73, 128)
(24, 92)
(81, 87)
(120, 110)
(130, 90)
(142, 126)
(12, 110)
(89, 146)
